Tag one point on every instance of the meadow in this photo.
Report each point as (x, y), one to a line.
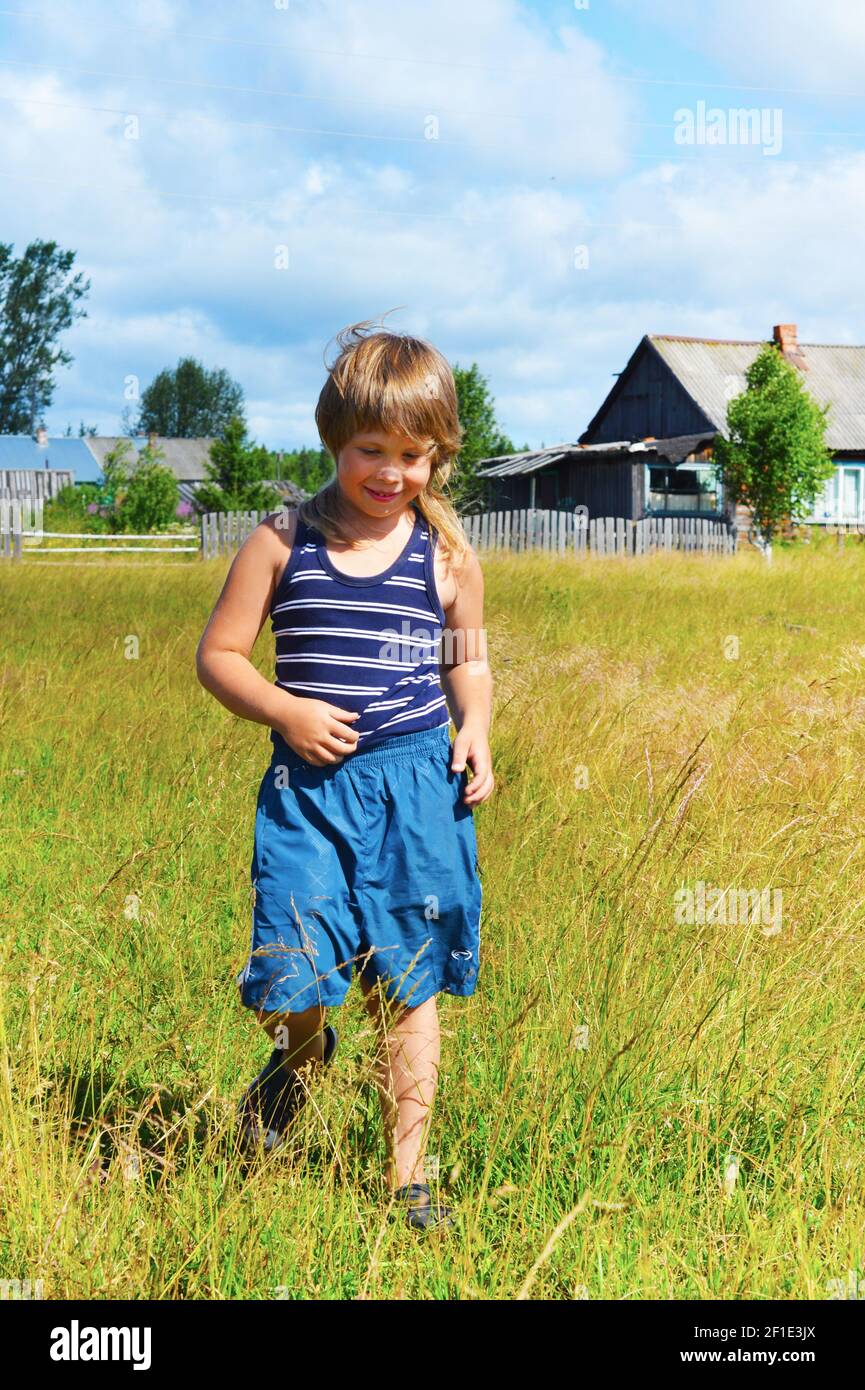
(632, 1105)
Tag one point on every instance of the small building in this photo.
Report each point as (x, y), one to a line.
(39, 465)
(36, 466)
(648, 449)
(630, 479)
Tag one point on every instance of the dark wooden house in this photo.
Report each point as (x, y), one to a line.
(648, 449)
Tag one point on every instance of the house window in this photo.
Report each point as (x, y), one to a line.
(843, 496)
(683, 490)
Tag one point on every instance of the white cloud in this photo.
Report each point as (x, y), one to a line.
(477, 243)
(776, 43)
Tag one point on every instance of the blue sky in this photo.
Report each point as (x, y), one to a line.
(241, 181)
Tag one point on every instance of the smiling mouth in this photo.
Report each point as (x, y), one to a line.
(380, 496)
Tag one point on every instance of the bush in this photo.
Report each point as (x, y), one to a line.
(78, 507)
(150, 500)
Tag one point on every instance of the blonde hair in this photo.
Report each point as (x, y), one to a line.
(402, 385)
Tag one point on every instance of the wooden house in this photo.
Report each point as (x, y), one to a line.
(648, 449)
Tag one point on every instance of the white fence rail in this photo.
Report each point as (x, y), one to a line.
(12, 543)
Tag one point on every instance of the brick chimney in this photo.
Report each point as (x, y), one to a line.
(151, 439)
(42, 436)
(785, 336)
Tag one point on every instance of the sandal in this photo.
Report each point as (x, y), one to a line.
(422, 1213)
(273, 1099)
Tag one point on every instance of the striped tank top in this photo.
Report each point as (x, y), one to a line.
(369, 643)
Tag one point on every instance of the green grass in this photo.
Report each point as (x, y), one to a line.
(128, 797)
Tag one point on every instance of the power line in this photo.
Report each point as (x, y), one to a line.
(467, 219)
(178, 113)
(233, 41)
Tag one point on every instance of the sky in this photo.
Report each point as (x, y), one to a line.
(531, 187)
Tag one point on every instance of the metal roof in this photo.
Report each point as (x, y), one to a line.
(501, 465)
(22, 451)
(674, 450)
(713, 370)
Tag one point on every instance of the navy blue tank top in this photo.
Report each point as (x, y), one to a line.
(369, 643)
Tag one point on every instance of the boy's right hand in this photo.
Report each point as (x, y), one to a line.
(318, 732)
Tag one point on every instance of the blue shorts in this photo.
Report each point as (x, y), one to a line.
(370, 862)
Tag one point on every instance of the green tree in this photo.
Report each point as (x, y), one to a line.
(774, 457)
(483, 438)
(151, 497)
(37, 302)
(188, 402)
(235, 474)
(83, 431)
(310, 469)
(118, 466)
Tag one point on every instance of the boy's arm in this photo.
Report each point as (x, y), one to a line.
(467, 681)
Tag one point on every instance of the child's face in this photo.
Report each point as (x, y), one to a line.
(382, 473)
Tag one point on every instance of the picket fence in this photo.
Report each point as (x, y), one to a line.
(567, 532)
(531, 529)
(222, 532)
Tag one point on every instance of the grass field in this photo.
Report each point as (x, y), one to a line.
(631, 1105)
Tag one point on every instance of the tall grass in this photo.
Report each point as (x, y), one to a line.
(630, 1106)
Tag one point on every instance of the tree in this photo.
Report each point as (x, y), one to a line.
(235, 474)
(138, 492)
(83, 431)
(774, 458)
(310, 469)
(151, 497)
(118, 466)
(482, 438)
(37, 302)
(188, 402)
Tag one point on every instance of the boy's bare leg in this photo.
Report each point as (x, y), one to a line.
(407, 1076)
(299, 1034)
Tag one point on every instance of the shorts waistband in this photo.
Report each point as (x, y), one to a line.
(401, 746)
(393, 749)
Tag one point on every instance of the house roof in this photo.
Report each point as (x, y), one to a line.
(712, 370)
(290, 492)
(185, 457)
(674, 451)
(500, 465)
(22, 451)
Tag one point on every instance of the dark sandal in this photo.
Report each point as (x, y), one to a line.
(273, 1099)
(422, 1213)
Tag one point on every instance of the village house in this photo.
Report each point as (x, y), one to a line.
(648, 449)
(38, 465)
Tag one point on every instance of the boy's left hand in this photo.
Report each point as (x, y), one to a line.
(472, 747)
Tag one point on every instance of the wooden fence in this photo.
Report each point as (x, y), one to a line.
(557, 532)
(222, 532)
(33, 482)
(22, 534)
(567, 533)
